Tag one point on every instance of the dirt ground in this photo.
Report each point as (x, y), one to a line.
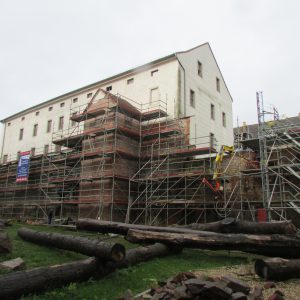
(290, 288)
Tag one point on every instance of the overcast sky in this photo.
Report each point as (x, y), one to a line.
(51, 47)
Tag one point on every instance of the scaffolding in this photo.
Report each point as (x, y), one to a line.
(120, 160)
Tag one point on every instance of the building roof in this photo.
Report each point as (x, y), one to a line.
(108, 79)
(252, 130)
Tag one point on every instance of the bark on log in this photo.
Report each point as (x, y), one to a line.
(122, 228)
(229, 225)
(14, 285)
(270, 245)
(5, 244)
(89, 247)
(277, 268)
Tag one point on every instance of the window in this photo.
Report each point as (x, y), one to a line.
(192, 98)
(211, 140)
(218, 84)
(32, 151)
(8, 124)
(200, 69)
(46, 149)
(61, 123)
(5, 157)
(37, 113)
(212, 111)
(49, 126)
(57, 148)
(21, 134)
(62, 104)
(89, 95)
(154, 95)
(75, 100)
(35, 129)
(73, 123)
(50, 108)
(224, 119)
(23, 118)
(154, 72)
(130, 81)
(108, 88)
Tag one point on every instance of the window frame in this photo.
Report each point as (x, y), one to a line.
(21, 134)
(224, 121)
(35, 129)
(218, 84)
(192, 98)
(212, 112)
(61, 123)
(49, 126)
(200, 69)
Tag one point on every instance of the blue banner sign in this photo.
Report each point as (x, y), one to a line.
(23, 167)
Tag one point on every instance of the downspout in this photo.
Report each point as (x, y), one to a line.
(2, 147)
(184, 86)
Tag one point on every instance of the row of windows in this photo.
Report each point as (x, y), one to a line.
(89, 95)
(200, 73)
(212, 108)
(48, 128)
(32, 152)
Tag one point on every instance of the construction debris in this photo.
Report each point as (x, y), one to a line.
(277, 268)
(89, 247)
(187, 285)
(13, 264)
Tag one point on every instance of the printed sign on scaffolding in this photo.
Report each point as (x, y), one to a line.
(23, 167)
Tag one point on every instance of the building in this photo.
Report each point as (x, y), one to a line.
(189, 82)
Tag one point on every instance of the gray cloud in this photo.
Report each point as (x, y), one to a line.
(51, 47)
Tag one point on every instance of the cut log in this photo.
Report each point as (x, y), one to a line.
(89, 247)
(14, 285)
(120, 228)
(5, 244)
(277, 268)
(231, 225)
(270, 245)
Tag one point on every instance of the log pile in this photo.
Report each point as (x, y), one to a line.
(14, 285)
(271, 239)
(228, 225)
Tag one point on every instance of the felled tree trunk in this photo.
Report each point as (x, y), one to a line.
(271, 245)
(5, 244)
(122, 228)
(89, 247)
(277, 268)
(231, 225)
(14, 285)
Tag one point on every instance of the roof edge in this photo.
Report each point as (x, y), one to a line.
(92, 85)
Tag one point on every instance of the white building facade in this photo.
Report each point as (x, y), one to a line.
(190, 82)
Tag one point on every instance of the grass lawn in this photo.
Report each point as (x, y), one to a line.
(137, 278)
